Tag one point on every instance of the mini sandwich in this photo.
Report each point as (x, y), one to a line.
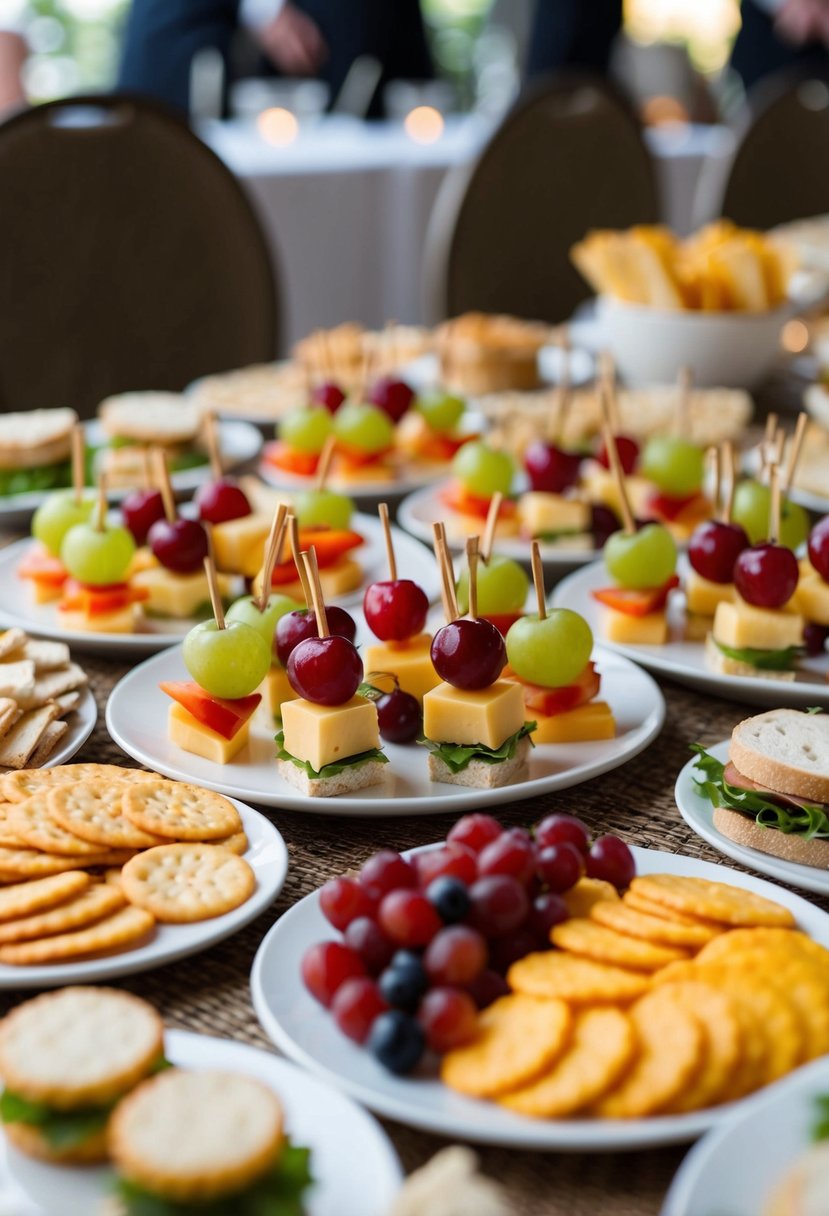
(773, 794)
(66, 1059)
(209, 1142)
(134, 421)
(35, 449)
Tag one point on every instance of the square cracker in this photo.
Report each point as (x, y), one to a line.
(48, 742)
(17, 679)
(11, 640)
(24, 736)
(46, 656)
(53, 684)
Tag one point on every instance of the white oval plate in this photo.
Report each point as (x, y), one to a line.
(365, 493)
(81, 723)
(137, 721)
(417, 512)
(356, 1170)
(240, 443)
(684, 661)
(268, 858)
(306, 1032)
(734, 1168)
(16, 607)
(698, 813)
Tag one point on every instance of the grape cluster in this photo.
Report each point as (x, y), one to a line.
(427, 942)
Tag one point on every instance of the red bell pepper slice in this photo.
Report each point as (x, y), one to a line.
(330, 545)
(503, 621)
(98, 601)
(224, 716)
(39, 566)
(548, 701)
(456, 498)
(303, 464)
(636, 601)
(663, 506)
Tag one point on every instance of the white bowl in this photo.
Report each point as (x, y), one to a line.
(722, 349)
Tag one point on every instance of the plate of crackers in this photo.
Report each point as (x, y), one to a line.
(655, 1010)
(106, 871)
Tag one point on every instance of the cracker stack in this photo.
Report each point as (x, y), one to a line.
(39, 687)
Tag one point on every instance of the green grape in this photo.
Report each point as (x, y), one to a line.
(482, 470)
(306, 430)
(229, 662)
(247, 610)
(752, 509)
(442, 412)
(675, 466)
(322, 508)
(502, 587)
(54, 517)
(365, 428)
(646, 558)
(552, 652)
(96, 556)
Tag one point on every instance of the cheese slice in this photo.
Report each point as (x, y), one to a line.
(344, 576)
(178, 595)
(193, 736)
(544, 513)
(410, 661)
(592, 721)
(323, 734)
(811, 599)
(741, 626)
(121, 621)
(275, 689)
(702, 596)
(487, 716)
(239, 544)
(45, 593)
(649, 630)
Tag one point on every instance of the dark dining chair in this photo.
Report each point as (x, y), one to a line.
(569, 157)
(129, 256)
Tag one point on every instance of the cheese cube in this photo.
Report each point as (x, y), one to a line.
(178, 595)
(702, 596)
(540, 514)
(142, 559)
(649, 630)
(811, 599)
(45, 593)
(275, 689)
(410, 661)
(239, 544)
(193, 736)
(344, 576)
(580, 725)
(742, 626)
(321, 734)
(599, 486)
(120, 621)
(487, 716)
(459, 525)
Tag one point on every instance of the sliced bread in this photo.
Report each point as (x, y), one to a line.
(724, 666)
(348, 781)
(788, 845)
(35, 437)
(150, 417)
(785, 750)
(481, 775)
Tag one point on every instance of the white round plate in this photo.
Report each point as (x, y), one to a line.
(684, 661)
(137, 721)
(306, 1032)
(425, 372)
(417, 512)
(734, 1169)
(16, 607)
(240, 443)
(817, 503)
(356, 1171)
(81, 723)
(698, 813)
(268, 858)
(365, 493)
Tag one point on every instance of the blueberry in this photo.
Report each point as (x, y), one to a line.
(397, 1041)
(450, 898)
(403, 985)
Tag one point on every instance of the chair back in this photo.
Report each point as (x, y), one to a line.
(567, 158)
(129, 256)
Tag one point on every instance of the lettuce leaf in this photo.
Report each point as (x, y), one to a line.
(810, 822)
(328, 770)
(820, 1131)
(766, 660)
(62, 1129)
(550, 538)
(456, 756)
(278, 1193)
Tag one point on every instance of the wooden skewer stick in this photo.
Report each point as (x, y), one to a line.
(213, 587)
(490, 526)
(103, 507)
(712, 456)
(765, 444)
(162, 474)
(472, 562)
(78, 463)
(538, 579)
(383, 511)
(273, 547)
(211, 436)
(774, 511)
(149, 476)
(309, 561)
(296, 554)
(795, 450)
(447, 578)
(619, 476)
(608, 398)
(324, 466)
(564, 397)
(685, 382)
(729, 480)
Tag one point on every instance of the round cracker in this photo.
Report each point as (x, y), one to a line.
(24, 898)
(186, 882)
(586, 893)
(624, 919)
(79, 1046)
(179, 811)
(715, 901)
(196, 1136)
(670, 1045)
(591, 940)
(580, 981)
(601, 1047)
(17, 864)
(32, 822)
(517, 1039)
(97, 901)
(715, 1012)
(20, 785)
(760, 940)
(635, 899)
(93, 810)
(124, 928)
(27, 1138)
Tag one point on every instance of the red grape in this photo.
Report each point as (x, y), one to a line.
(448, 1017)
(512, 853)
(819, 547)
(141, 509)
(550, 469)
(499, 905)
(548, 909)
(220, 501)
(628, 450)
(475, 831)
(180, 546)
(342, 900)
(386, 871)
(455, 955)
(326, 966)
(356, 1004)
(507, 950)
(766, 575)
(365, 937)
(327, 671)
(328, 394)
(393, 396)
(714, 548)
(487, 987)
(603, 523)
(560, 866)
(452, 859)
(298, 626)
(814, 638)
(407, 917)
(555, 829)
(611, 860)
(399, 716)
(395, 609)
(469, 654)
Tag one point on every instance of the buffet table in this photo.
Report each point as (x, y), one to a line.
(209, 992)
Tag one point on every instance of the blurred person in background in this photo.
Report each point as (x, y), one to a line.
(780, 35)
(319, 38)
(573, 34)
